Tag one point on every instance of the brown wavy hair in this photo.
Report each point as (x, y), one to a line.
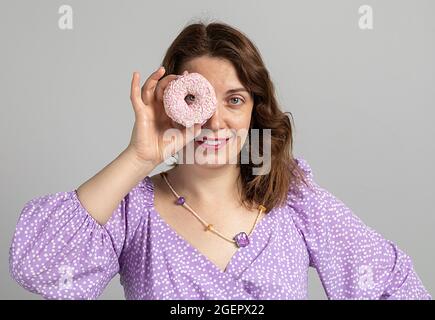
(220, 40)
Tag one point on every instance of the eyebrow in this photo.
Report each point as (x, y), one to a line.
(237, 90)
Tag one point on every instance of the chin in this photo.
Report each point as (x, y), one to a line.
(212, 165)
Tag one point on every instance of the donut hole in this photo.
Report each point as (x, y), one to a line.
(190, 99)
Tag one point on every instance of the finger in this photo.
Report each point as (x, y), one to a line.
(135, 96)
(161, 86)
(147, 93)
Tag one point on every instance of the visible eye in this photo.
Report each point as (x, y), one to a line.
(190, 98)
(238, 99)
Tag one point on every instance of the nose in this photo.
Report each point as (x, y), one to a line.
(216, 122)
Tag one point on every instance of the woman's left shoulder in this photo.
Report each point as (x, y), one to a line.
(311, 199)
(304, 165)
(299, 189)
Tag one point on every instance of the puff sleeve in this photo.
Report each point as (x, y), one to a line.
(60, 251)
(352, 260)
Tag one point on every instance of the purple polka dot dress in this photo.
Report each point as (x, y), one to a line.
(60, 252)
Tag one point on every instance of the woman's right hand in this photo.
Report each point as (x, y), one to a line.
(151, 121)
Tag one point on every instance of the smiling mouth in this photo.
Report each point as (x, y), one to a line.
(212, 143)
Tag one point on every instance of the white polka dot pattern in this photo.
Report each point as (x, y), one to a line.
(60, 252)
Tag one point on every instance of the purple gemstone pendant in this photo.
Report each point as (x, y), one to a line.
(181, 200)
(241, 239)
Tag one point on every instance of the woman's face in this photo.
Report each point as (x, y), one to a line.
(231, 119)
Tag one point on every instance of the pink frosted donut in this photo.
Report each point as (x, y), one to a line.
(200, 109)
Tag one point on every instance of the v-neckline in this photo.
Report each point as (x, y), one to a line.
(195, 250)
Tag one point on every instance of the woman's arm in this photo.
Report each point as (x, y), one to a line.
(147, 148)
(60, 251)
(353, 261)
(101, 194)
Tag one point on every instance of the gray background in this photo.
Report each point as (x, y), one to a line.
(363, 101)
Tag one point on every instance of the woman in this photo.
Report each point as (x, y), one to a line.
(210, 230)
